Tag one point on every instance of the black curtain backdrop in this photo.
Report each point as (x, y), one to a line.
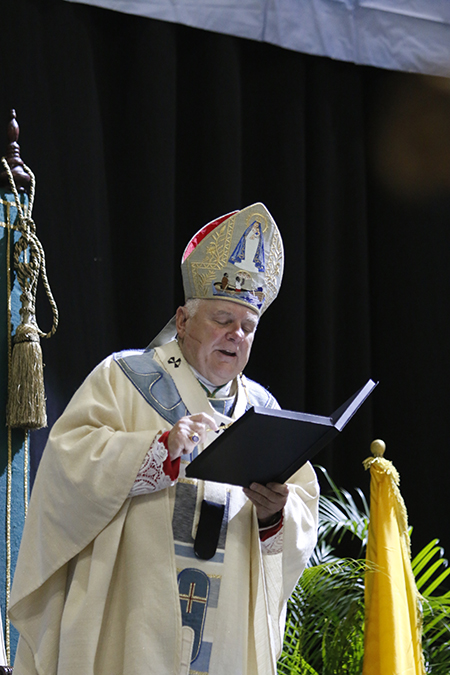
(139, 132)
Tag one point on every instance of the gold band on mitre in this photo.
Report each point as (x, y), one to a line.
(237, 257)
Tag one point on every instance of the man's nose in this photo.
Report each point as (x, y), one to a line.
(235, 333)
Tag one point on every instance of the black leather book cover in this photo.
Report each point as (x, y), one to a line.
(267, 445)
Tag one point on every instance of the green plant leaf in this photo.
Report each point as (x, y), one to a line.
(423, 557)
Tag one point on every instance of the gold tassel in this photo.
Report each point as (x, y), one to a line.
(26, 407)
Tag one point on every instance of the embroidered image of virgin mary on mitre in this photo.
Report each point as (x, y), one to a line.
(249, 253)
(237, 257)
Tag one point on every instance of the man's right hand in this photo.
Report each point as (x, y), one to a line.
(188, 432)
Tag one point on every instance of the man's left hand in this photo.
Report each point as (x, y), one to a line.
(268, 499)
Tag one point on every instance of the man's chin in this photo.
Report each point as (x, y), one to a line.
(222, 376)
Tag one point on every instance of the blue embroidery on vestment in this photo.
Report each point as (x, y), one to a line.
(159, 390)
(152, 381)
(224, 406)
(258, 395)
(214, 588)
(201, 664)
(193, 587)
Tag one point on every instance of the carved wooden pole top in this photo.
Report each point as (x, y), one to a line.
(21, 178)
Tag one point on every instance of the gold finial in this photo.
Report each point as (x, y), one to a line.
(377, 448)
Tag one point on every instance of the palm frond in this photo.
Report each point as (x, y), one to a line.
(425, 569)
(323, 553)
(339, 514)
(435, 608)
(425, 555)
(343, 648)
(326, 600)
(291, 660)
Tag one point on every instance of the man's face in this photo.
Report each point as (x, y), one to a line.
(217, 340)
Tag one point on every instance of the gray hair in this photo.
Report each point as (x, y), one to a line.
(192, 305)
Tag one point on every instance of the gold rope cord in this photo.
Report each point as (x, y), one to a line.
(27, 228)
(7, 225)
(26, 461)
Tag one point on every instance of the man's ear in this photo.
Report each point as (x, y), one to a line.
(181, 318)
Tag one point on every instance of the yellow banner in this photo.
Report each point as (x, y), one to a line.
(392, 642)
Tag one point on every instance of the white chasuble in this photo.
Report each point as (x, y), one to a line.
(96, 584)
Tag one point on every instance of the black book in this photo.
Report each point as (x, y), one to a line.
(266, 445)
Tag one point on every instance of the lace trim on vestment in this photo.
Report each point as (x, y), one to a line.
(274, 544)
(151, 476)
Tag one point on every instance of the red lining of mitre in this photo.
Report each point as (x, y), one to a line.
(201, 234)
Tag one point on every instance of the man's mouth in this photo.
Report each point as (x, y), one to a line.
(226, 352)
